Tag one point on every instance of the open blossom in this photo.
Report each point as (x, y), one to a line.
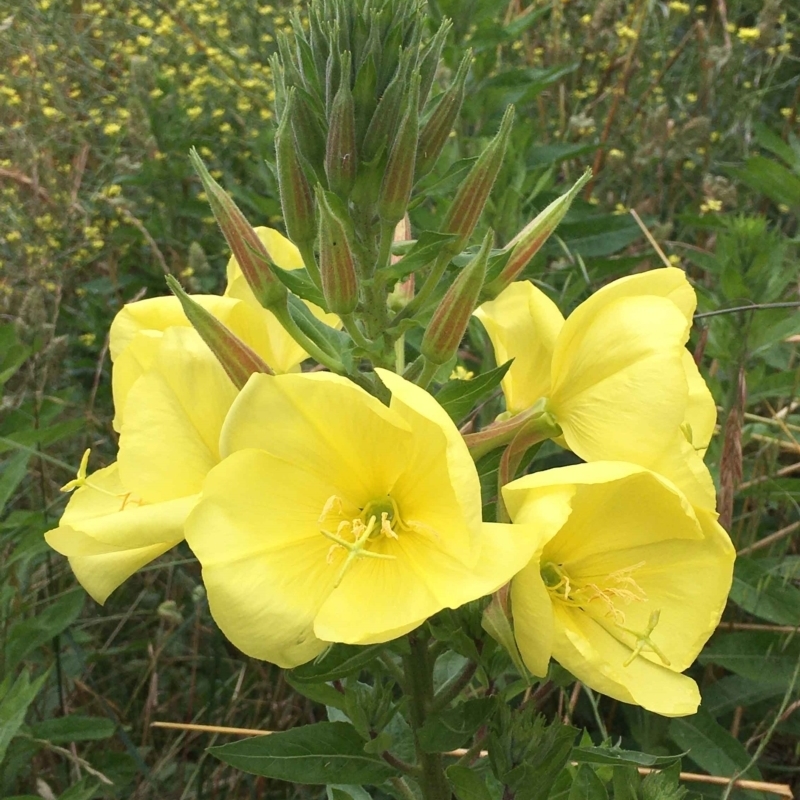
(137, 329)
(333, 518)
(129, 513)
(615, 375)
(627, 584)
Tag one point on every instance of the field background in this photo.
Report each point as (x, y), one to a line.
(688, 114)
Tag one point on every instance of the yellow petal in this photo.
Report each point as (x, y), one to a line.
(683, 466)
(533, 618)
(701, 412)
(440, 472)
(131, 363)
(594, 657)
(173, 417)
(523, 324)
(667, 282)
(421, 580)
(619, 388)
(325, 425)
(107, 534)
(256, 533)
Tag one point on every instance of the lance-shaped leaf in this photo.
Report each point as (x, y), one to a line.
(340, 151)
(473, 193)
(297, 199)
(524, 246)
(450, 320)
(237, 359)
(436, 130)
(399, 176)
(245, 243)
(336, 265)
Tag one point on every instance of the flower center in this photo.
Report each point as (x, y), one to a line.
(618, 589)
(377, 520)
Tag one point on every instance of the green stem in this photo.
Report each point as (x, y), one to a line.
(310, 261)
(351, 326)
(316, 352)
(451, 690)
(425, 292)
(419, 680)
(400, 355)
(429, 369)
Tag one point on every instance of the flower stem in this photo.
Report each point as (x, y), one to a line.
(419, 682)
(316, 352)
(429, 369)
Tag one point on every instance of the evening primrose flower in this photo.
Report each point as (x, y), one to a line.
(333, 518)
(626, 586)
(615, 376)
(129, 513)
(137, 329)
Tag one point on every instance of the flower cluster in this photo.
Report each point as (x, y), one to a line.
(320, 514)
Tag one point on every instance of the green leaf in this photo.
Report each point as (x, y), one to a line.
(710, 746)
(333, 342)
(592, 237)
(312, 754)
(26, 636)
(85, 789)
(758, 655)
(458, 397)
(614, 757)
(467, 784)
(770, 140)
(626, 783)
(344, 792)
(453, 727)
(74, 728)
(726, 694)
(12, 472)
(299, 284)
(422, 253)
(322, 693)
(771, 179)
(587, 786)
(12, 353)
(663, 785)
(764, 595)
(335, 663)
(14, 701)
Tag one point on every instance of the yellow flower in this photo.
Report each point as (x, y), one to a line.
(333, 518)
(137, 329)
(129, 513)
(627, 585)
(615, 375)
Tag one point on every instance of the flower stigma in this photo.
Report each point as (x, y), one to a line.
(377, 519)
(620, 588)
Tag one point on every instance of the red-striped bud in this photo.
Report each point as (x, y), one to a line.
(336, 265)
(450, 320)
(236, 358)
(247, 247)
(473, 193)
(528, 241)
(436, 131)
(340, 152)
(398, 179)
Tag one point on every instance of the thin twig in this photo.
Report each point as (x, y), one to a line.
(655, 245)
(771, 539)
(751, 307)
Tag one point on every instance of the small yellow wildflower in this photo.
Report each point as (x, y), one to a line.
(748, 34)
(112, 128)
(88, 339)
(710, 204)
(678, 7)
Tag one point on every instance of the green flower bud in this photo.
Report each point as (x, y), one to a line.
(436, 131)
(340, 152)
(297, 200)
(529, 240)
(429, 61)
(450, 320)
(398, 179)
(236, 358)
(336, 265)
(473, 193)
(247, 247)
(383, 125)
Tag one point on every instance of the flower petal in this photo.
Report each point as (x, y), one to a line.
(173, 417)
(324, 424)
(593, 656)
(523, 324)
(701, 412)
(619, 388)
(533, 618)
(256, 533)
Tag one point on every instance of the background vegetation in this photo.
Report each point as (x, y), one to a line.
(688, 114)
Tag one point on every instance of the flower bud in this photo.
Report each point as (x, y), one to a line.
(429, 60)
(383, 124)
(340, 151)
(450, 320)
(473, 193)
(247, 247)
(336, 265)
(436, 131)
(398, 179)
(529, 240)
(297, 200)
(236, 358)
